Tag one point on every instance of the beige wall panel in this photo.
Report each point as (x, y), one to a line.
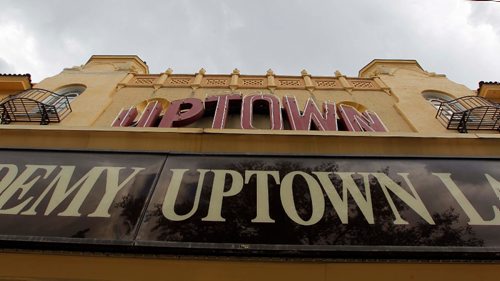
(252, 141)
(332, 95)
(202, 93)
(171, 94)
(85, 267)
(408, 85)
(383, 104)
(123, 98)
(87, 107)
(301, 95)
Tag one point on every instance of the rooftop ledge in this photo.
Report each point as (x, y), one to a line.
(198, 140)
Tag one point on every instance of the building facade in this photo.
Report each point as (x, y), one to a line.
(109, 172)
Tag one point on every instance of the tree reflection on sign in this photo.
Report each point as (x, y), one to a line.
(450, 228)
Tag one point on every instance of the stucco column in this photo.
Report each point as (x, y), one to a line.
(343, 81)
(271, 84)
(197, 80)
(382, 85)
(307, 80)
(162, 79)
(234, 79)
(125, 81)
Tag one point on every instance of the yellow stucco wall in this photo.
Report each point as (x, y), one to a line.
(101, 268)
(395, 93)
(407, 82)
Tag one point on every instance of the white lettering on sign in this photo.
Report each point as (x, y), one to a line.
(68, 192)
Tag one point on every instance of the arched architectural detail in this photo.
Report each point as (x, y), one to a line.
(435, 98)
(71, 91)
(359, 107)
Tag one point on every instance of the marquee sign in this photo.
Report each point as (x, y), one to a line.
(251, 204)
(183, 112)
(89, 196)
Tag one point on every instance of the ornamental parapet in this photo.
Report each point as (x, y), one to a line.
(269, 81)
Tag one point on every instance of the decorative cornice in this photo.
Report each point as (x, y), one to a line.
(235, 80)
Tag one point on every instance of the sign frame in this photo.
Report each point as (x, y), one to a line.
(244, 249)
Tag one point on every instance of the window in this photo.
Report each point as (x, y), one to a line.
(436, 99)
(71, 92)
(59, 100)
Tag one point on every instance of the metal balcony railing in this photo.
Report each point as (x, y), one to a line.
(469, 113)
(34, 105)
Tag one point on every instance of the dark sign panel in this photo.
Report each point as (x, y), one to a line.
(325, 204)
(74, 196)
(251, 204)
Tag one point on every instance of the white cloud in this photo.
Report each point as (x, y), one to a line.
(452, 43)
(6, 67)
(18, 47)
(455, 37)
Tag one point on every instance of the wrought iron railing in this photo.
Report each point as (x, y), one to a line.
(34, 105)
(469, 113)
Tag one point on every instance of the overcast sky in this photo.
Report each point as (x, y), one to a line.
(454, 37)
